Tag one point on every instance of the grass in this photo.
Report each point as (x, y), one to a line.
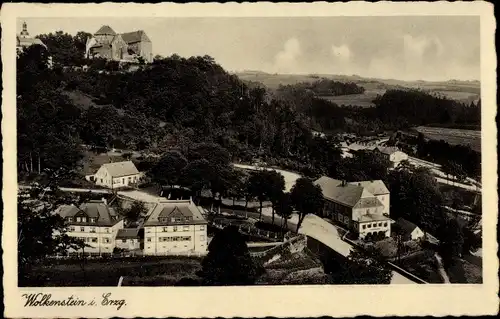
(106, 272)
(471, 138)
(465, 272)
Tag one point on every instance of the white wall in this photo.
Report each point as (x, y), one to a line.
(100, 239)
(384, 226)
(154, 245)
(130, 243)
(102, 178)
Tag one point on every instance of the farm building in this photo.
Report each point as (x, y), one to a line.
(116, 175)
(409, 230)
(393, 154)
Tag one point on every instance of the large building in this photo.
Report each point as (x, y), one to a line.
(116, 175)
(356, 207)
(130, 46)
(96, 223)
(24, 40)
(175, 226)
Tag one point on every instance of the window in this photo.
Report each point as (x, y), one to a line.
(123, 180)
(72, 228)
(106, 230)
(379, 224)
(385, 224)
(202, 237)
(173, 219)
(78, 219)
(94, 239)
(124, 240)
(105, 240)
(92, 220)
(165, 229)
(369, 226)
(84, 219)
(92, 229)
(364, 226)
(185, 228)
(148, 239)
(82, 229)
(70, 219)
(202, 227)
(175, 228)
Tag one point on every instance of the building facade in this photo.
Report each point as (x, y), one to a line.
(392, 154)
(94, 222)
(116, 175)
(355, 207)
(173, 227)
(129, 239)
(127, 47)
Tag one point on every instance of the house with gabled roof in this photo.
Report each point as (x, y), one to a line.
(175, 226)
(355, 207)
(95, 222)
(392, 154)
(116, 175)
(379, 190)
(125, 47)
(409, 230)
(129, 238)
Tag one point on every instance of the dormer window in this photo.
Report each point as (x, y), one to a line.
(78, 219)
(92, 220)
(173, 219)
(70, 219)
(84, 219)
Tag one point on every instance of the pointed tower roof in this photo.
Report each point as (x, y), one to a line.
(105, 30)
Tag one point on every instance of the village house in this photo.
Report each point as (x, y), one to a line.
(175, 226)
(392, 154)
(94, 222)
(125, 47)
(129, 238)
(355, 207)
(379, 190)
(409, 230)
(116, 175)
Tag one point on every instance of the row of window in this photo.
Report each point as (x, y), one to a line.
(94, 240)
(374, 225)
(174, 238)
(175, 228)
(82, 219)
(82, 229)
(175, 219)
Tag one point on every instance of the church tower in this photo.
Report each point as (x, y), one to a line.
(24, 33)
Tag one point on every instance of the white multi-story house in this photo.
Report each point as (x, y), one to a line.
(355, 207)
(175, 226)
(96, 223)
(377, 188)
(116, 175)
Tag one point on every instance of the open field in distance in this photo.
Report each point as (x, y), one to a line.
(453, 136)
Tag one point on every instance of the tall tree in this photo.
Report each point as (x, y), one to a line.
(275, 185)
(307, 198)
(284, 209)
(168, 169)
(258, 188)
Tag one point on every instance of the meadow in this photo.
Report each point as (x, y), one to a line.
(453, 136)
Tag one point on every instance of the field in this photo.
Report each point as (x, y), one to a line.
(362, 100)
(453, 136)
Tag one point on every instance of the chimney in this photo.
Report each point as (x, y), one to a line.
(105, 202)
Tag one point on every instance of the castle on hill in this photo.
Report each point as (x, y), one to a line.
(130, 46)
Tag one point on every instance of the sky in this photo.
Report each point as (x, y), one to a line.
(432, 48)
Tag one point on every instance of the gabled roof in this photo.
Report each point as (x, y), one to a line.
(173, 208)
(127, 233)
(376, 187)
(120, 169)
(406, 225)
(135, 36)
(388, 150)
(347, 194)
(105, 215)
(105, 30)
(368, 202)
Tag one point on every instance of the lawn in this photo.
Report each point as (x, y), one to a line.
(107, 272)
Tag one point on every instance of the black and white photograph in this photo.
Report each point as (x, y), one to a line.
(211, 151)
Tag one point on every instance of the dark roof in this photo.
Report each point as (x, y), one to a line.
(348, 194)
(176, 209)
(105, 215)
(406, 225)
(105, 30)
(128, 233)
(135, 36)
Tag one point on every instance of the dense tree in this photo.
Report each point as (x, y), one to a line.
(228, 261)
(135, 211)
(257, 186)
(451, 241)
(364, 268)
(66, 49)
(274, 187)
(307, 199)
(168, 169)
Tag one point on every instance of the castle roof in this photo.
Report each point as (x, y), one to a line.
(105, 30)
(135, 36)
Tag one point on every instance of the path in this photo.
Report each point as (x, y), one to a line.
(442, 272)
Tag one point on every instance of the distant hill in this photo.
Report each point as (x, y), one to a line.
(463, 91)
